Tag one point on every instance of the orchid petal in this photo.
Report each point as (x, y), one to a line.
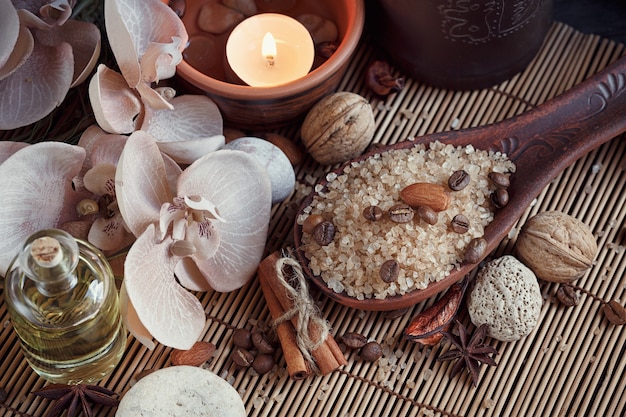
(153, 98)
(107, 149)
(175, 215)
(37, 87)
(100, 179)
(238, 184)
(109, 234)
(115, 106)
(9, 29)
(191, 130)
(90, 136)
(169, 312)
(85, 40)
(190, 276)
(56, 12)
(132, 322)
(201, 203)
(141, 182)
(10, 32)
(36, 193)
(205, 237)
(21, 51)
(8, 148)
(160, 60)
(134, 26)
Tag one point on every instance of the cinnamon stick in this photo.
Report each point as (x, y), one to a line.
(328, 356)
(297, 367)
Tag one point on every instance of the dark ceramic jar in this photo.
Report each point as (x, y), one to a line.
(460, 44)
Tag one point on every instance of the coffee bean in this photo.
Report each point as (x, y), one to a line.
(373, 213)
(242, 338)
(427, 214)
(371, 352)
(324, 233)
(262, 343)
(242, 357)
(389, 270)
(499, 179)
(475, 250)
(354, 340)
(401, 213)
(615, 312)
(500, 197)
(458, 180)
(460, 223)
(262, 364)
(567, 296)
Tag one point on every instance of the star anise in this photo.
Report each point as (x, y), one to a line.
(76, 398)
(470, 353)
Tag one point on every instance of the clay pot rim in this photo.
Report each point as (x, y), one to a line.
(354, 29)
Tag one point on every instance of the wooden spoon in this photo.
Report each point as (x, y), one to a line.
(541, 142)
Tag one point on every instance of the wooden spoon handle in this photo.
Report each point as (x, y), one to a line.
(545, 141)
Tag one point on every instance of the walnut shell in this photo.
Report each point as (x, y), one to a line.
(338, 128)
(556, 246)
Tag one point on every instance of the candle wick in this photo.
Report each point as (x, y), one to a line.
(269, 60)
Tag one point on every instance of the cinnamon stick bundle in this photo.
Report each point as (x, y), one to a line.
(327, 355)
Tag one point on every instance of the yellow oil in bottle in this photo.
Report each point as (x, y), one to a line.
(70, 328)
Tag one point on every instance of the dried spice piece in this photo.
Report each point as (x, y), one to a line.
(76, 398)
(354, 340)
(380, 80)
(470, 352)
(371, 352)
(427, 327)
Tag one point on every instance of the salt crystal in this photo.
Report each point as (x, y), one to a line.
(595, 168)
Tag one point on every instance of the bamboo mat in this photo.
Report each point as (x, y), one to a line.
(572, 364)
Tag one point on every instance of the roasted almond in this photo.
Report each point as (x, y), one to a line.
(435, 196)
(199, 353)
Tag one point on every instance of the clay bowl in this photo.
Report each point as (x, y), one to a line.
(259, 108)
(541, 143)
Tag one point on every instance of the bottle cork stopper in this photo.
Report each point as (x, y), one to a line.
(46, 251)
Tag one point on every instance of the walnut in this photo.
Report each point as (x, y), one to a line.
(556, 246)
(338, 128)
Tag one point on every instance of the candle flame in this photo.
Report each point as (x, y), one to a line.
(268, 48)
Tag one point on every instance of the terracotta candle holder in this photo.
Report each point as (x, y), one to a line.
(257, 108)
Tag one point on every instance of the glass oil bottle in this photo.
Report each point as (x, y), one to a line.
(60, 293)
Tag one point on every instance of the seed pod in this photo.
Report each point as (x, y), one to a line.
(242, 357)
(243, 338)
(354, 340)
(567, 296)
(324, 233)
(389, 271)
(460, 224)
(427, 214)
(262, 343)
(475, 250)
(458, 180)
(262, 364)
(373, 213)
(500, 197)
(371, 352)
(401, 213)
(499, 179)
(615, 312)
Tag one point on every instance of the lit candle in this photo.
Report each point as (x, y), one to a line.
(270, 49)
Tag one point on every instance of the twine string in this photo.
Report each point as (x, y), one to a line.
(291, 277)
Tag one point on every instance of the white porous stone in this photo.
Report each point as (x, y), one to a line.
(506, 296)
(181, 391)
(274, 160)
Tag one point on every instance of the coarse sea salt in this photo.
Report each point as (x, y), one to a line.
(427, 252)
